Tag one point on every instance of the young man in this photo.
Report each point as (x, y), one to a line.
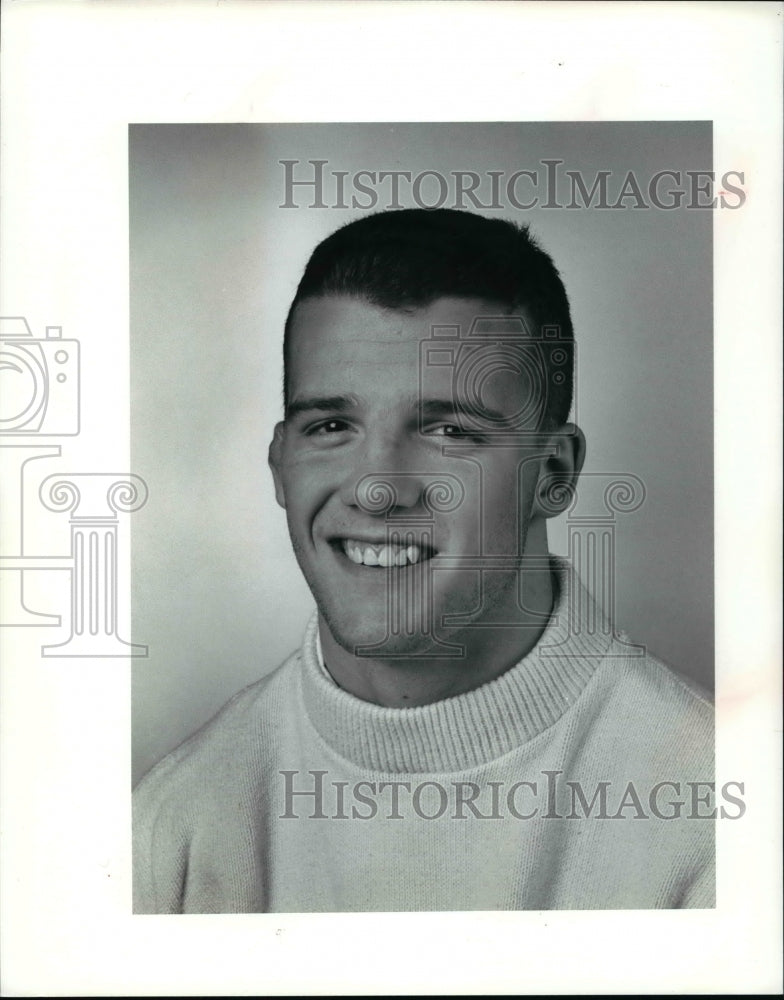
(462, 728)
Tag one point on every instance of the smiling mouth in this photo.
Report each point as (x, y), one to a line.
(386, 555)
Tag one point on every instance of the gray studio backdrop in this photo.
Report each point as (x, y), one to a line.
(215, 260)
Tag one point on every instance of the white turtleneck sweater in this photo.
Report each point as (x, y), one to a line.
(551, 787)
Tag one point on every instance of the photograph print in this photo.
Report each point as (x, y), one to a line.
(426, 569)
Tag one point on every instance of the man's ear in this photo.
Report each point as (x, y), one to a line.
(559, 472)
(275, 459)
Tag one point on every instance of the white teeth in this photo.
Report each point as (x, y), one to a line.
(385, 556)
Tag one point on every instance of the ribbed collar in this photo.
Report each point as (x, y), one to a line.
(473, 728)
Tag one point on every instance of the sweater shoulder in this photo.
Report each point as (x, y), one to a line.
(210, 780)
(241, 728)
(651, 679)
(650, 712)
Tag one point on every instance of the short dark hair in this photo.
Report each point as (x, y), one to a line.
(410, 257)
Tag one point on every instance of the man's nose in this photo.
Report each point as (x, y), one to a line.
(383, 478)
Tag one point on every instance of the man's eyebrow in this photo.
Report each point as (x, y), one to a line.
(428, 408)
(333, 404)
(446, 407)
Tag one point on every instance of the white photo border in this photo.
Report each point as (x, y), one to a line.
(73, 77)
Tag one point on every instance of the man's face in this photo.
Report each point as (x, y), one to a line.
(391, 503)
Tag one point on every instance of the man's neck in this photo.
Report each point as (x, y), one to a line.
(415, 680)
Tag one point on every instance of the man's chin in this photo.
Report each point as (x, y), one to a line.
(376, 640)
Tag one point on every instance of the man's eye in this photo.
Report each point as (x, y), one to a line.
(447, 430)
(456, 433)
(326, 428)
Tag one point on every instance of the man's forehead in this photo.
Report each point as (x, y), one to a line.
(343, 318)
(348, 347)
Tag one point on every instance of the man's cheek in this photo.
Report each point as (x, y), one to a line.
(305, 496)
